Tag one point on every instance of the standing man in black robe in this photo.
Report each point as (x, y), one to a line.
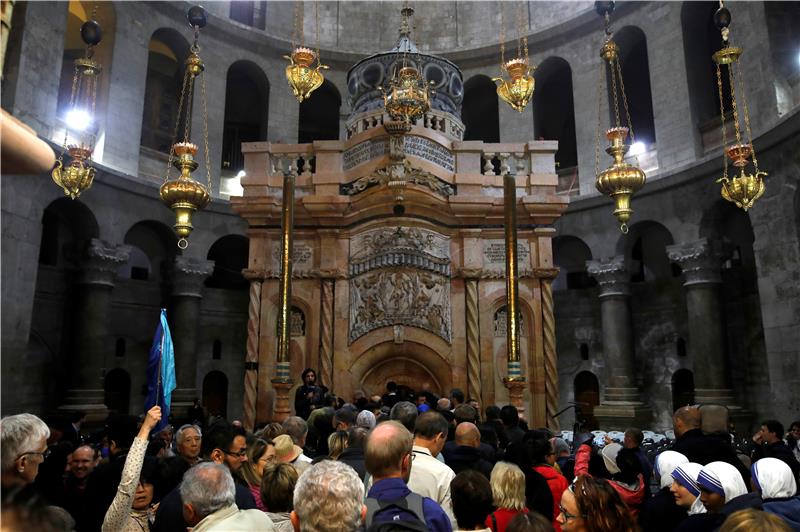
(308, 396)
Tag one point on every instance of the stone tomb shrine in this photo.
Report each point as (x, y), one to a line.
(403, 280)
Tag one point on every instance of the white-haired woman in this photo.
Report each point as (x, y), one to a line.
(508, 494)
(23, 447)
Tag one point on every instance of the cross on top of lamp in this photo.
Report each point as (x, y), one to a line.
(623, 178)
(744, 189)
(183, 194)
(303, 76)
(408, 96)
(516, 91)
(78, 175)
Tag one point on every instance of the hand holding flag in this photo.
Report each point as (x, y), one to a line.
(161, 371)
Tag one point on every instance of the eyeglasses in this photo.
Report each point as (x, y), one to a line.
(44, 454)
(241, 454)
(567, 515)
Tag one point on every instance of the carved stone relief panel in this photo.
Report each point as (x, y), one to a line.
(494, 256)
(400, 276)
(500, 319)
(297, 322)
(302, 258)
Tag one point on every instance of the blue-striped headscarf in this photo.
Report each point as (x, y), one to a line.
(723, 479)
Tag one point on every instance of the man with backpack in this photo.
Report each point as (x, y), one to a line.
(390, 504)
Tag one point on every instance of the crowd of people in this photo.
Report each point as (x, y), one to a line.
(400, 461)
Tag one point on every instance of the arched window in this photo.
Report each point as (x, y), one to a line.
(66, 224)
(215, 393)
(587, 397)
(701, 39)
(230, 255)
(570, 255)
(246, 112)
(646, 254)
(119, 348)
(682, 388)
(554, 112)
(319, 115)
(168, 50)
(584, 349)
(636, 75)
(680, 347)
(249, 12)
(724, 221)
(117, 391)
(784, 43)
(479, 110)
(152, 249)
(216, 351)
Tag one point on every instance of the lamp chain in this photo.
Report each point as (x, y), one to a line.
(746, 115)
(722, 118)
(187, 124)
(177, 124)
(205, 128)
(625, 101)
(614, 90)
(502, 38)
(316, 23)
(737, 127)
(600, 91)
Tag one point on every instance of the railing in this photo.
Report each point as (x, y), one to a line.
(439, 121)
(502, 163)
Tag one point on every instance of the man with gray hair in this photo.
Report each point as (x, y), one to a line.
(328, 497)
(23, 444)
(297, 428)
(208, 495)
(187, 443)
(405, 413)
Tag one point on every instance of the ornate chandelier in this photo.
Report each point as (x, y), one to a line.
(78, 175)
(623, 178)
(408, 96)
(517, 90)
(744, 189)
(303, 74)
(184, 195)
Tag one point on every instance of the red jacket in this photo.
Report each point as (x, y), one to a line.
(557, 484)
(502, 516)
(632, 498)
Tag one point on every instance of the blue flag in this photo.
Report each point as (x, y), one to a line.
(161, 371)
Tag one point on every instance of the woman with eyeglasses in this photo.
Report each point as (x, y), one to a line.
(23, 443)
(593, 505)
(132, 509)
(260, 454)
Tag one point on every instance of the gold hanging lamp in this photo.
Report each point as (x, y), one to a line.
(303, 74)
(744, 189)
(517, 90)
(78, 175)
(408, 96)
(623, 178)
(184, 195)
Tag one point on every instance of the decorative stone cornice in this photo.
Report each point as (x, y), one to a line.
(612, 275)
(101, 261)
(189, 274)
(700, 261)
(546, 273)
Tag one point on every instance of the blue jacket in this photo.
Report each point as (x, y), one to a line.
(390, 489)
(786, 509)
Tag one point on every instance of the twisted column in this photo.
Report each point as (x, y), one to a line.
(473, 341)
(550, 357)
(251, 360)
(326, 334)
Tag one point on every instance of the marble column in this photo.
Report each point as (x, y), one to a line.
(473, 339)
(98, 272)
(188, 277)
(621, 406)
(251, 361)
(326, 333)
(701, 261)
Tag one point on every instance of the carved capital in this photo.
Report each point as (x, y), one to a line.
(700, 261)
(189, 274)
(255, 275)
(100, 262)
(612, 275)
(546, 273)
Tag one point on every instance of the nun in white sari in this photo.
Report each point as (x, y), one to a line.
(685, 488)
(774, 479)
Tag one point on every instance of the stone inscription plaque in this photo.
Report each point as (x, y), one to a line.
(364, 152)
(431, 152)
(494, 254)
(302, 258)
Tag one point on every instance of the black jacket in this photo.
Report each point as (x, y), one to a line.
(706, 448)
(660, 513)
(462, 457)
(354, 457)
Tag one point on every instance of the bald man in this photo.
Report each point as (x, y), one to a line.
(465, 452)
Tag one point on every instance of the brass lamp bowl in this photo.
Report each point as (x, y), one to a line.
(302, 77)
(77, 176)
(744, 189)
(303, 56)
(739, 153)
(184, 195)
(622, 179)
(517, 68)
(517, 91)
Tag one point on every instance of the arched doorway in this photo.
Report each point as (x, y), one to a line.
(117, 391)
(682, 388)
(215, 394)
(587, 395)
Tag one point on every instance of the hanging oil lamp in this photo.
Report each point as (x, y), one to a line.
(78, 175)
(184, 195)
(623, 178)
(408, 96)
(303, 72)
(744, 189)
(517, 89)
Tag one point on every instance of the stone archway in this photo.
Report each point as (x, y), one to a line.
(412, 364)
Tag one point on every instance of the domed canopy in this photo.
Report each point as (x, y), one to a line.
(365, 77)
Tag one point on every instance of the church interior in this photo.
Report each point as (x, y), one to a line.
(539, 203)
